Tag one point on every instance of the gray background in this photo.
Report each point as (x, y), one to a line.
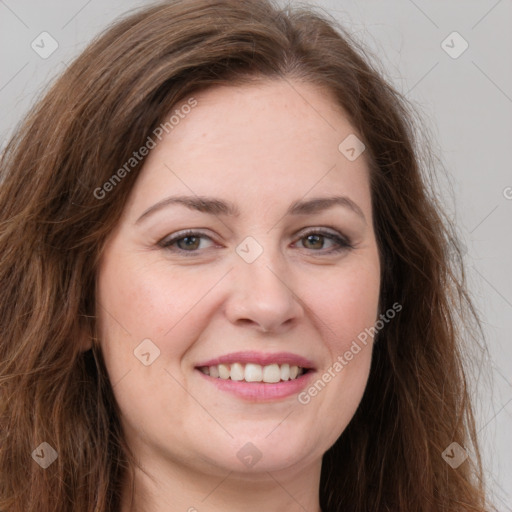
(466, 103)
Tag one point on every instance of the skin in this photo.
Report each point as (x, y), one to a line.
(261, 146)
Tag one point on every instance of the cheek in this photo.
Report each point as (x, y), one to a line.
(139, 302)
(136, 303)
(347, 310)
(147, 301)
(349, 306)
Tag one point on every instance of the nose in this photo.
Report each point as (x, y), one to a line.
(263, 296)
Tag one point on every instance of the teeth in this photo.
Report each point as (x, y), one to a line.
(237, 371)
(252, 372)
(223, 371)
(271, 373)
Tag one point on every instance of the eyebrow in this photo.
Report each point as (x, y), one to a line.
(214, 206)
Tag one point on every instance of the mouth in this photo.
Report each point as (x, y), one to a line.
(256, 376)
(253, 372)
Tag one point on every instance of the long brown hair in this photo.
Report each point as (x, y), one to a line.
(53, 227)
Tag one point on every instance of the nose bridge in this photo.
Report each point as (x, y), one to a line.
(262, 292)
(265, 276)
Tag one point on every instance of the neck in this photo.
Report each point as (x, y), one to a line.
(173, 488)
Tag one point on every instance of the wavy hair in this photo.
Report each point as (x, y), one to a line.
(53, 228)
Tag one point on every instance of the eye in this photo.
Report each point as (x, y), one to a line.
(189, 242)
(315, 239)
(185, 241)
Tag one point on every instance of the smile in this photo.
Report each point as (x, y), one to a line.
(257, 376)
(252, 372)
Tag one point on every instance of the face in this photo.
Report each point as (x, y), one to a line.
(226, 325)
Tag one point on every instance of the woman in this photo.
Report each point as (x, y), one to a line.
(225, 281)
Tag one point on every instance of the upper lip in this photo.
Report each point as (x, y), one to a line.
(261, 358)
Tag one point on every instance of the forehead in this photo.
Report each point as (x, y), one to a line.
(271, 140)
(279, 112)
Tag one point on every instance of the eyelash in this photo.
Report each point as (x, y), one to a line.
(344, 243)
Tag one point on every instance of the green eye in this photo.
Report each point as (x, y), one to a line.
(188, 242)
(185, 241)
(318, 237)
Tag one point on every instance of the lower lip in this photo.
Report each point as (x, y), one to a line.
(261, 391)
